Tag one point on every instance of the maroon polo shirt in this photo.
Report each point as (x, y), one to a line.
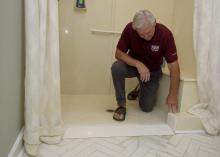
(150, 52)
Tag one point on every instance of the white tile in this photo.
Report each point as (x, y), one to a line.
(131, 148)
(144, 146)
(175, 140)
(110, 146)
(192, 149)
(140, 151)
(107, 151)
(52, 149)
(116, 140)
(129, 141)
(46, 153)
(164, 154)
(71, 145)
(79, 148)
(98, 154)
(202, 153)
(183, 145)
(156, 145)
(149, 154)
(86, 152)
(212, 152)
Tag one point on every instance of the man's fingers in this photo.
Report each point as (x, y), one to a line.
(144, 74)
(142, 77)
(173, 108)
(146, 77)
(170, 107)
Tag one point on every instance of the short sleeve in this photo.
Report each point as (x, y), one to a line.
(124, 42)
(170, 49)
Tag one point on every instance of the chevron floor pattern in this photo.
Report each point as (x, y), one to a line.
(180, 145)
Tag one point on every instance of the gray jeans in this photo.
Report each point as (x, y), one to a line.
(148, 90)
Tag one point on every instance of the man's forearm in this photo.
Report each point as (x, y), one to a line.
(125, 58)
(141, 68)
(174, 78)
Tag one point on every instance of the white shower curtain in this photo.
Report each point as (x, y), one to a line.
(42, 78)
(207, 49)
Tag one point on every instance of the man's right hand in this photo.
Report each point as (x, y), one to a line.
(143, 71)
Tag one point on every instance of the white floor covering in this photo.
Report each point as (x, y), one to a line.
(86, 116)
(188, 145)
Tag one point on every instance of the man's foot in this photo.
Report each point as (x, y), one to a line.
(133, 94)
(120, 114)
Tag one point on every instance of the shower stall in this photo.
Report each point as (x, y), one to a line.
(88, 38)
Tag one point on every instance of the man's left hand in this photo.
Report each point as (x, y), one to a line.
(172, 102)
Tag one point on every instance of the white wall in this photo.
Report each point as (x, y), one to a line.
(11, 72)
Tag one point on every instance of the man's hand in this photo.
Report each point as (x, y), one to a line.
(172, 98)
(143, 71)
(172, 102)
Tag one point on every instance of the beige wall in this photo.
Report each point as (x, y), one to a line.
(183, 33)
(86, 57)
(124, 11)
(11, 72)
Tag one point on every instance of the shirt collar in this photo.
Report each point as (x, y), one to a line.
(156, 34)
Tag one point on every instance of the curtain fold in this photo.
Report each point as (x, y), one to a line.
(207, 51)
(42, 77)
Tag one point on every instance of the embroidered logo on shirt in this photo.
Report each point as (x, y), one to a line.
(155, 48)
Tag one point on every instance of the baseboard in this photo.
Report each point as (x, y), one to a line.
(17, 149)
(190, 132)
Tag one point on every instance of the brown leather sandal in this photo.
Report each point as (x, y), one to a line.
(120, 111)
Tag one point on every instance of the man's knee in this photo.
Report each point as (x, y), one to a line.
(146, 106)
(148, 96)
(118, 67)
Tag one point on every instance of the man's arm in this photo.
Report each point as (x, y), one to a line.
(142, 69)
(125, 58)
(172, 98)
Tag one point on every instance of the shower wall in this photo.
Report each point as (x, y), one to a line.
(183, 34)
(86, 56)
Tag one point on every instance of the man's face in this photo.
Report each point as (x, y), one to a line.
(146, 32)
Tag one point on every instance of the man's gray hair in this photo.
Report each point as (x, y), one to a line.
(142, 19)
